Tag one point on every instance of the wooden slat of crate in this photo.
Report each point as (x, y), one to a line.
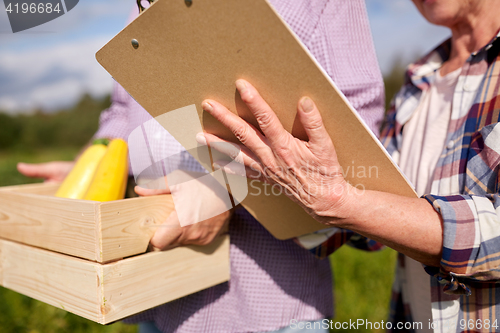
(63, 225)
(59, 280)
(126, 226)
(39, 188)
(92, 230)
(108, 292)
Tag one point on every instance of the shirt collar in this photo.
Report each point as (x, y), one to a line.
(488, 46)
(422, 73)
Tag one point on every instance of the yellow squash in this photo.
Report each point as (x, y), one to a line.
(76, 184)
(110, 178)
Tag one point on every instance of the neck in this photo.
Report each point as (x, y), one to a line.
(470, 34)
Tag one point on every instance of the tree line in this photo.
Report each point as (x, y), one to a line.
(74, 126)
(70, 127)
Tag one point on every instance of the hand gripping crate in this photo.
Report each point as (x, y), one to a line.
(88, 257)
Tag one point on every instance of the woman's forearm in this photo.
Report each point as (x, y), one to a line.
(408, 225)
(307, 169)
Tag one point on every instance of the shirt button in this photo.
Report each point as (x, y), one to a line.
(466, 87)
(450, 144)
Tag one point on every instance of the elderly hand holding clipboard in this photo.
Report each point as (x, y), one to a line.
(306, 168)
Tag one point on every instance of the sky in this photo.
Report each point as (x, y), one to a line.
(50, 66)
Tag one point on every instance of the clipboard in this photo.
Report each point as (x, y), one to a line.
(178, 53)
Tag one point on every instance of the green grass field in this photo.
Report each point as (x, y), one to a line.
(9, 160)
(363, 283)
(362, 280)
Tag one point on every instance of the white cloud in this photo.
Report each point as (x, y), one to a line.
(51, 77)
(52, 65)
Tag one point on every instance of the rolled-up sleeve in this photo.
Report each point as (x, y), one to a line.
(471, 240)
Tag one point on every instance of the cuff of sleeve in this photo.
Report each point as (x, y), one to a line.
(332, 244)
(458, 241)
(365, 244)
(339, 238)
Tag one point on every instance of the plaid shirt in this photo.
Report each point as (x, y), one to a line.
(465, 189)
(465, 291)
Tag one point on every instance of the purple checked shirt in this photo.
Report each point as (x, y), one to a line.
(272, 281)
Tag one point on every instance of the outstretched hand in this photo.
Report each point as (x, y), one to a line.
(308, 170)
(51, 172)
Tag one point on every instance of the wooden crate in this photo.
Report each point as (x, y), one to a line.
(98, 231)
(105, 293)
(99, 287)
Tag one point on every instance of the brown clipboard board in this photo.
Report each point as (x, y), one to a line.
(186, 54)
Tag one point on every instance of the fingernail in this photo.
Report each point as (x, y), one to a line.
(307, 104)
(216, 166)
(241, 86)
(207, 106)
(200, 138)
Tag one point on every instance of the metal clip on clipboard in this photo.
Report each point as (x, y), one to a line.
(141, 7)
